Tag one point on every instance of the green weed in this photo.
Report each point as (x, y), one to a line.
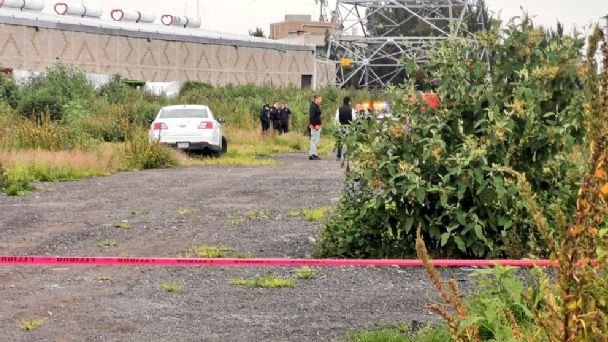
(243, 255)
(121, 225)
(236, 221)
(266, 282)
(317, 214)
(204, 251)
(305, 273)
(49, 173)
(294, 213)
(251, 214)
(32, 324)
(400, 333)
(171, 287)
(103, 278)
(187, 211)
(107, 244)
(234, 161)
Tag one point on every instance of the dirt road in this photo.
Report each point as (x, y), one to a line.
(163, 213)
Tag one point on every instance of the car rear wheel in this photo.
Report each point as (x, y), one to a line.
(224, 145)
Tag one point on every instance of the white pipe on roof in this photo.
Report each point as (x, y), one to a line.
(175, 20)
(33, 5)
(62, 8)
(23, 5)
(132, 15)
(12, 3)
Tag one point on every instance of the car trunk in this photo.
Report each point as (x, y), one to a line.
(183, 127)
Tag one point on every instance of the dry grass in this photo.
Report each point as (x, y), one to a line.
(105, 158)
(246, 148)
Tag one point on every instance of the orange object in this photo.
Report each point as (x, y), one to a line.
(346, 63)
(431, 99)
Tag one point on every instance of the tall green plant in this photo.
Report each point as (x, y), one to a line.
(574, 306)
(523, 112)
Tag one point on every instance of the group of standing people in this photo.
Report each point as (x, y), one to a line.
(277, 116)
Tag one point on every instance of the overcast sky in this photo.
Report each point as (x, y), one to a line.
(238, 16)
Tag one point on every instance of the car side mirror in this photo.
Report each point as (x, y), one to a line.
(150, 121)
(221, 120)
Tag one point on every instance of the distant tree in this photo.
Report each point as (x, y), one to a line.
(258, 32)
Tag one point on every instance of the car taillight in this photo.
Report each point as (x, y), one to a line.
(206, 125)
(159, 125)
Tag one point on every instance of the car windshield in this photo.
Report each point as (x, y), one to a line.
(184, 113)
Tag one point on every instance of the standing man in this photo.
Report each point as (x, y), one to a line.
(284, 115)
(274, 116)
(265, 118)
(314, 123)
(344, 117)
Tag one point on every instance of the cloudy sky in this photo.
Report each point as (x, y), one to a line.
(238, 16)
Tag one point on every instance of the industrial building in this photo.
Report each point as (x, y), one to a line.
(136, 48)
(301, 29)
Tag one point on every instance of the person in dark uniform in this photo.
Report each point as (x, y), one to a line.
(345, 117)
(284, 115)
(274, 116)
(265, 118)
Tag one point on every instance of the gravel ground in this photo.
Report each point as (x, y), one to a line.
(127, 304)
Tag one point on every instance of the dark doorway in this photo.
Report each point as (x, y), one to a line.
(306, 81)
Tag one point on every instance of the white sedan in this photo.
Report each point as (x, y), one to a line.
(190, 128)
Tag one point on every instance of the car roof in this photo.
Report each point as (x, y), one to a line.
(186, 107)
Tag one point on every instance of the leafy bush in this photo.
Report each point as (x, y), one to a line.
(142, 154)
(115, 91)
(39, 102)
(48, 93)
(190, 86)
(525, 112)
(572, 305)
(9, 92)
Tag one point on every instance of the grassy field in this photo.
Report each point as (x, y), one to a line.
(58, 127)
(247, 147)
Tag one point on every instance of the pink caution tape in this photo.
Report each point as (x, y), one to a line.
(168, 262)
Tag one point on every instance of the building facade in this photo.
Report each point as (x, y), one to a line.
(35, 41)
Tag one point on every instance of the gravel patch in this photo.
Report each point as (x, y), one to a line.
(168, 211)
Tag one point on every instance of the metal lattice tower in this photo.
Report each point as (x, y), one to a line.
(376, 37)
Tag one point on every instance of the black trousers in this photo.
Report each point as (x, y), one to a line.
(284, 127)
(265, 126)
